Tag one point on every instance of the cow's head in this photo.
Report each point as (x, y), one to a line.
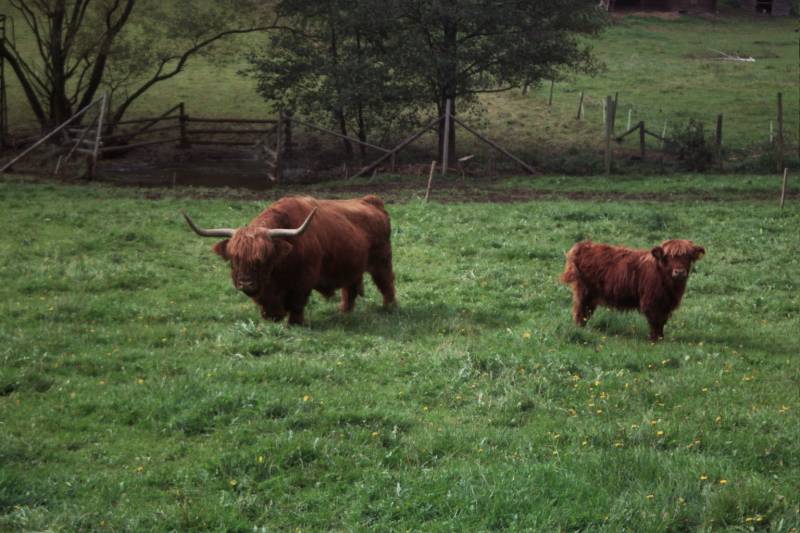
(676, 257)
(252, 251)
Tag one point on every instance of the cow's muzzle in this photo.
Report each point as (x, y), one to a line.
(247, 287)
(679, 274)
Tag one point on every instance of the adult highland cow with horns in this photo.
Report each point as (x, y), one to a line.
(300, 244)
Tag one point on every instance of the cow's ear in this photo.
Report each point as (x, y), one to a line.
(698, 252)
(282, 249)
(221, 249)
(658, 253)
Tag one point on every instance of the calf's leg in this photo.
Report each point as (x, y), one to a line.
(583, 304)
(656, 320)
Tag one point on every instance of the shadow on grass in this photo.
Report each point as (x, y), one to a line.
(632, 326)
(413, 320)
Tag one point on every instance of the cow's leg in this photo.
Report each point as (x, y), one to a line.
(383, 276)
(384, 280)
(656, 320)
(350, 293)
(589, 306)
(268, 314)
(271, 309)
(583, 305)
(296, 303)
(656, 329)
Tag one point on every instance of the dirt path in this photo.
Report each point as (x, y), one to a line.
(405, 189)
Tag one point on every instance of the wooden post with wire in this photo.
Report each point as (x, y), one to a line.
(91, 171)
(783, 187)
(3, 100)
(609, 130)
(580, 107)
(718, 141)
(430, 180)
(279, 132)
(779, 133)
(182, 118)
(446, 143)
(614, 114)
(641, 139)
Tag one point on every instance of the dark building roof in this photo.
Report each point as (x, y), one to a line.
(769, 7)
(688, 6)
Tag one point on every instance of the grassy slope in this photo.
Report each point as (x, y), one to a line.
(663, 69)
(139, 391)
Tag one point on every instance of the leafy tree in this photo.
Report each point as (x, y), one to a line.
(388, 54)
(462, 48)
(82, 47)
(335, 67)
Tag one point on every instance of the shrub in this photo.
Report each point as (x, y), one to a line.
(689, 143)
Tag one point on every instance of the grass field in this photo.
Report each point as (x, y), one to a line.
(139, 391)
(664, 70)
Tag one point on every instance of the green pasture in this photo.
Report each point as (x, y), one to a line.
(139, 391)
(663, 70)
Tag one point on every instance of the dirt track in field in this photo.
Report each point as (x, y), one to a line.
(492, 190)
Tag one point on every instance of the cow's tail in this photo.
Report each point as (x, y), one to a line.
(374, 200)
(571, 273)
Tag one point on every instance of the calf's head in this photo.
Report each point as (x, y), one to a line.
(676, 257)
(253, 251)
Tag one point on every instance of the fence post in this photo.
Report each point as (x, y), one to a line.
(184, 143)
(580, 107)
(783, 187)
(288, 145)
(92, 160)
(430, 180)
(550, 99)
(614, 114)
(609, 129)
(446, 145)
(718, 141)
(641, 139)
(779, 136)
(279, 146)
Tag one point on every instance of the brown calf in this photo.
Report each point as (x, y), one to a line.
(652, 281)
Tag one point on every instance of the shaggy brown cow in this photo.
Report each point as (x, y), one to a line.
(651, 281)
(278, 268)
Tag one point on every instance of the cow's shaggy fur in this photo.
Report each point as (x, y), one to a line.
(344, 239)
(652, 281)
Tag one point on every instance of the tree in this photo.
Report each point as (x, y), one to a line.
(383, 55)
(335, 67)
(122, 46)
(462, 48)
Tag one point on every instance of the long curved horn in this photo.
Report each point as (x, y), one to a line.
(280, 232)
(220, 232)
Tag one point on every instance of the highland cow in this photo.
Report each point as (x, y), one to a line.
(652, 281)
(333, 244)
